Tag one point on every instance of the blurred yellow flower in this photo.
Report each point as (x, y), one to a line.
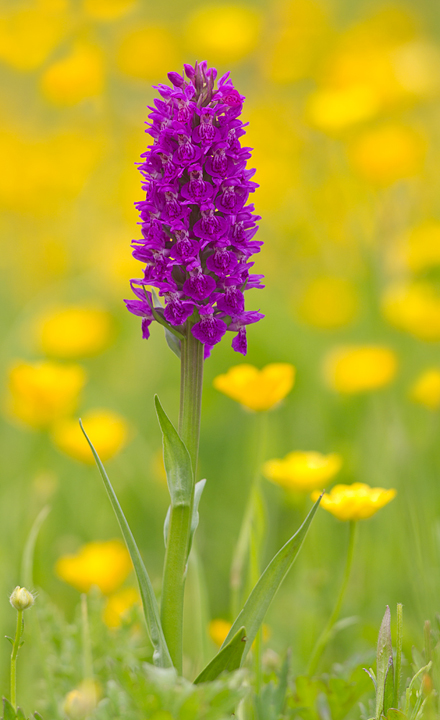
(302, 34)
(426, 389)
(107, 9)
(105, 564)
(218, 630)
(257, 389)
(414, 308)
(355, 502)
(388, 153)
(328, 302)
(80, 702)
(359, 368)
(303, 471)
(118, 606)
(423, 246)
(75, 77)
(334, 109)
(107, 430)
(29, 33)
(75, 331)
(148, 53)
(42, 393)
(223, 33)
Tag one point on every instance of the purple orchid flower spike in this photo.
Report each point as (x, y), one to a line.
(197, 225)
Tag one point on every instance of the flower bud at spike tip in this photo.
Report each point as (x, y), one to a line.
(197, 225)
(21, 599)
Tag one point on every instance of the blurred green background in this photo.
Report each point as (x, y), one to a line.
(343, 101)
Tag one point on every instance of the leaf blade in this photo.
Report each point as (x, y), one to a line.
(229, 658)
(149, 602)
(177, 461)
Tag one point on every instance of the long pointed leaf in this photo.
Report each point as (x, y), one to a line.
(151, 609)
(264, 591)
(176, 459)
(27, 563)
(229, 658)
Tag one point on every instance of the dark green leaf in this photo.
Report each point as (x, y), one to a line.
(20, 714)
(176, 459)
(264, 591)
(229, 658)
(388, 698)
(8, 710)
(151, 609)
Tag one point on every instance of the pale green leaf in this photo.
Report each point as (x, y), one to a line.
(27, 563)
(264, 591)
(151, 609)
(228, 659)
(176, 460)
(384, 652)
(8, 710)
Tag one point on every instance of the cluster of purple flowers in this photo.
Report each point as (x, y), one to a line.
(197, 227)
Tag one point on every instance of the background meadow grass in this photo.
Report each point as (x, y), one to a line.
(343, 104)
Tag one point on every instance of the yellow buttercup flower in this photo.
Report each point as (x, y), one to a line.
(329, 302)
(355, 502)
(107, 9)
(104, 564)
(334, 109)
(388, 153)
(257, 389)
(75, 331)
(360, 368)
(303, 471)
(42, 393)
(147, 53)
(414, 307)
(107, 430)
(75, 77)
(233, 32)
(118, 606)
(426, 389)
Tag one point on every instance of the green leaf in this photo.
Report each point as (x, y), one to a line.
(20, 714)
(8, 710)
(384, 652)
(229, 658)
(394, 714)
(176, 459)
(149, 602)
(198, 489)
(37, 716)
(173, 342)
(388, 698)
(10, 639)
(27, 563)
(264, 591)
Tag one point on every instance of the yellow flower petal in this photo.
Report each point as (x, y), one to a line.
(224, 33)
(257, 389)
(43, 393)
(426, 389)
(415, 308)
(218, 630)
(75, 77)
(74, 332)
(118, 606)
(303, 471)
(388, 153)
(104, 564)
(355, 502)
(107, 430)
(360, 368)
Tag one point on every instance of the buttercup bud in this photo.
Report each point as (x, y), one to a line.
(21, 599)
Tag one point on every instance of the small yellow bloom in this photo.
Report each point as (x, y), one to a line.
(105, 564)
(119, 605)
(43, 393)
(147, 53)
(303, 471)
(107, 430)
(80, 703)
(107, 9)
(388, 153)
(426, 389)
(360, 368)
(334, 109)
(75, 77)
(74, 332)
(415, 308)
(257, 389)
(233, 32)
(329, 302)
(355, 502)
(218, 630)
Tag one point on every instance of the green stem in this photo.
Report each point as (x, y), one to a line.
(15, 649)
(399, 642)
(86, 640)
(326, 633)
(176, 555)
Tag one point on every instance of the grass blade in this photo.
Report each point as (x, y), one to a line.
(264, 591)
(161, 654)
(27, 563)
(229, 658)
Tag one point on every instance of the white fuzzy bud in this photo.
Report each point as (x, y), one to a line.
(21, 599)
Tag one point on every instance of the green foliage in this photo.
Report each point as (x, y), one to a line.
(228, 659)
(10, 714)
(328, 696)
